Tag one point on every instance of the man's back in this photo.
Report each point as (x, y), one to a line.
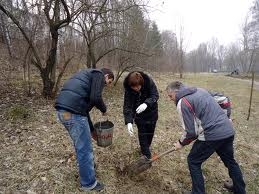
(81, 92)
(212, 118)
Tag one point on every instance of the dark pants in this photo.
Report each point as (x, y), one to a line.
(201, 151)
(145, 136)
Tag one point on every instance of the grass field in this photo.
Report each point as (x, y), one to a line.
(37, 154)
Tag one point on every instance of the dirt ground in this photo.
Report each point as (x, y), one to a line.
(37, 155)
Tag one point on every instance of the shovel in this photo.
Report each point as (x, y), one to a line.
(143, 163)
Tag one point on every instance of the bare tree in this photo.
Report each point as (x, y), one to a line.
(213, 45)
(95, 32)
(253, 43)
(220, 56)
(4, 28)
(181, 51)
(169, 42)
(5, 34)
(52, 10)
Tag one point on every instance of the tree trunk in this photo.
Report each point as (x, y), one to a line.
(48, 84)
(48, 74)
(27, 72)
(181, 64)
(6, 35)
(88, 60)
(91, 61)
(56, 87)
(251, 95)
(251, 61)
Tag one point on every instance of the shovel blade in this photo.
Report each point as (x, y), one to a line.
(139, 166)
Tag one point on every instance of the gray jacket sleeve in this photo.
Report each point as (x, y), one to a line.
(188, 123)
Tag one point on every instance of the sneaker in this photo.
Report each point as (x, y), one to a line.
(229, 185)
(99, 186)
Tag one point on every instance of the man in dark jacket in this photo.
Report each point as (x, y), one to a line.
(204, 120)
(140, 105)
(78, 96)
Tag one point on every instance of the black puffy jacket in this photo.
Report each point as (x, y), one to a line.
(148, 94)
(82, 92)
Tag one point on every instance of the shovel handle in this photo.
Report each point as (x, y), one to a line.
(162, 154)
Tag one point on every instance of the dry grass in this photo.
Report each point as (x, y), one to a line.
(37, 155)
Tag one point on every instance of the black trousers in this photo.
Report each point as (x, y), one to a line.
(202, 150)
(145, 135)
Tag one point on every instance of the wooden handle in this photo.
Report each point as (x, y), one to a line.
(164, 153)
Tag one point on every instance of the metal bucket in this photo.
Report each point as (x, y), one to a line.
(104, 132)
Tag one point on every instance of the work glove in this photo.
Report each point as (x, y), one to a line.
(141, 108)
(130, 129)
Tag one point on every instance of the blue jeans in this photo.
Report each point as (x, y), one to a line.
(79, 131)
(201, 151)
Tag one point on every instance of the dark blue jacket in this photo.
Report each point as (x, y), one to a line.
(82, 92)
(148, 94)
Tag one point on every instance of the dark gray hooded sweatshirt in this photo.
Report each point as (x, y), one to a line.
(202, 117)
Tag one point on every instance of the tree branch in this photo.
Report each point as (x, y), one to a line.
(66, 21)
(16, 22)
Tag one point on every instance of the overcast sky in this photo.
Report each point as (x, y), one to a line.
(201, 19)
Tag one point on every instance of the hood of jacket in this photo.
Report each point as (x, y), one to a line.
(184, 91)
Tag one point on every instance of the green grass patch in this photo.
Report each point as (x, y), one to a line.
(18, 112)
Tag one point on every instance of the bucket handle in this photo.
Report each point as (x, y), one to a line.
(100, 126)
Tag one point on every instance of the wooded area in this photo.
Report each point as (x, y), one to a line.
(43, 42)
(51, 37)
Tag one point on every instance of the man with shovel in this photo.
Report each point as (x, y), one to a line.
(204, 120)
(78, 96)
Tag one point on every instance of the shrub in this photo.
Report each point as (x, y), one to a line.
(18, 112)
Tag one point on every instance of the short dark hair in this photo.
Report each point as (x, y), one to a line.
(109, 72)
(135, 79)
(174, 86)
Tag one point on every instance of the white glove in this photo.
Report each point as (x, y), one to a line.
(141, 108)
(130, 129)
